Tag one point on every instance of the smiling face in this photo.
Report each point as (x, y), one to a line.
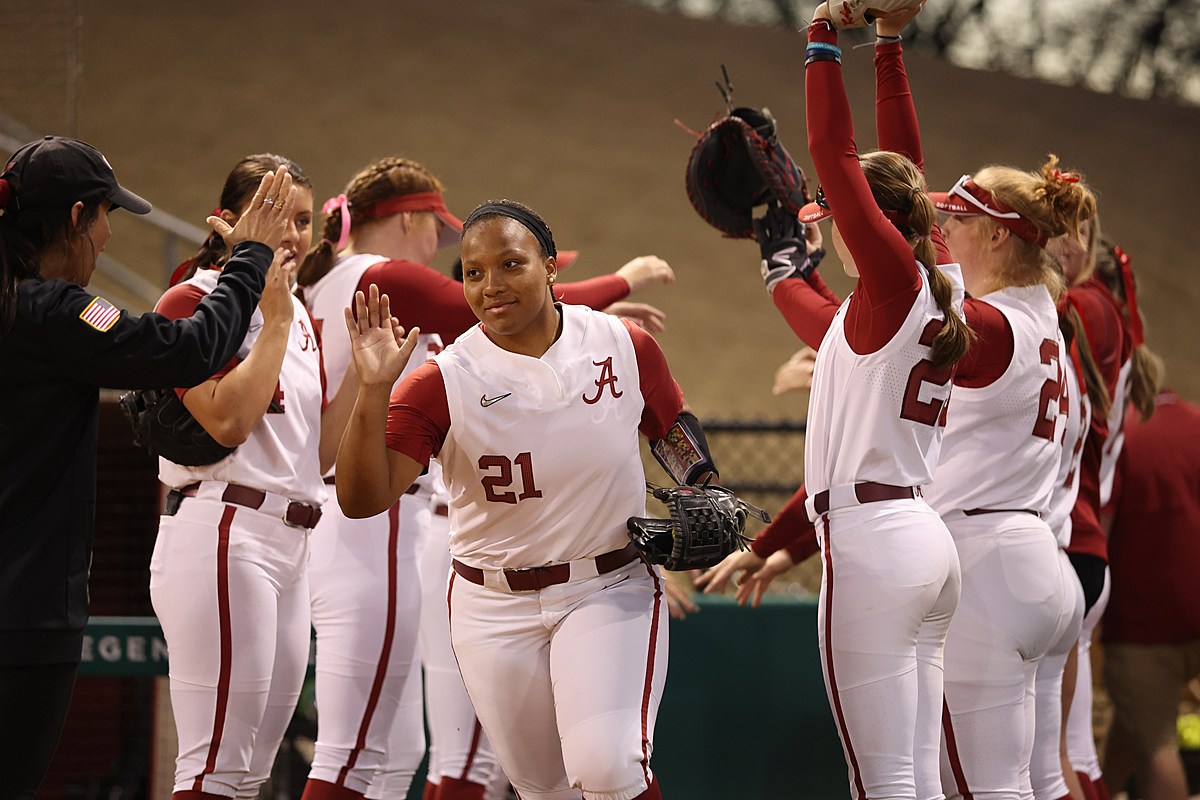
(505, 280)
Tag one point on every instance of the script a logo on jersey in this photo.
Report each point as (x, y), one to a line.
(486, 401)
(607, 378)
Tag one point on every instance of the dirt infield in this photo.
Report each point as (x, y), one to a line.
(568, 105)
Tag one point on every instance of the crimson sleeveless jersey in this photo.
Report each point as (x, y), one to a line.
(280, 455)
(878, 417)
(542, 458)
(1001, 447)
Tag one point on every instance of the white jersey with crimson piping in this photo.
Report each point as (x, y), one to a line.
(280, 455)
(1001, 449)
(878, 417)
(1076, 411)
(328, 298)
(541, 459)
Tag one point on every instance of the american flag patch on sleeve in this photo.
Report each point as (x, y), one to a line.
(100, 314)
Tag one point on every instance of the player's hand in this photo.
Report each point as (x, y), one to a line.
(679, 599)
(796, 373)
(646, 270)
(377, 342)
(645, 315)
(892, 22)
(266, 218)
(276, 300)
(813, 241)
(715, 579)
(754, 583)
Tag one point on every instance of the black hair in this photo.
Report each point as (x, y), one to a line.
(25, 238)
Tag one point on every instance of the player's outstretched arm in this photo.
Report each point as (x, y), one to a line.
(370, 477)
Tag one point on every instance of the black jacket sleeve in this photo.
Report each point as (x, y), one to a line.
(151, 350)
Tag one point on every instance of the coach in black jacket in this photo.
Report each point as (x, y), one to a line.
(58, 346)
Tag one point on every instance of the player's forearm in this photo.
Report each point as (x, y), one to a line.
(363, 469)
(231, 407)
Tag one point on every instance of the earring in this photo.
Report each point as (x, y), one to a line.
(551, 281)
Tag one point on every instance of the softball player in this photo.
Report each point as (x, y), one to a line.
(1112, 347)
(999, 463)
(228, 574)
(364, 576)
(556, 625)
(890, 581)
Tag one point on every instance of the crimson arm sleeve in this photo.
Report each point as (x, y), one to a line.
(808, 306)
(598, 293)
(661, 394)
(789, 528)
(418, 414)
(421, 297)
(1103, 326)
(991, 352)
(889, 280)
(895, 112)
(896, 120)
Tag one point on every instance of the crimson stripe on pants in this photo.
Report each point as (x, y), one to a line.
(650, 670)
(226, 645)
(389, 632)
(960, 777)
(833, 690)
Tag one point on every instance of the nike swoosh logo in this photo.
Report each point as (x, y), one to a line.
(486, 401)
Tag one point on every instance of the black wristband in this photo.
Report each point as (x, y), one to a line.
(821, 56)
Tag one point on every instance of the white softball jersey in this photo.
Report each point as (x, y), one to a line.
(878, 417)
(1076, 411)
(327, 299)
(280, 455)
(1001, 447)
(541, 460)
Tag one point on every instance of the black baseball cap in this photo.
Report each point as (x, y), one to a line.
(56, 172)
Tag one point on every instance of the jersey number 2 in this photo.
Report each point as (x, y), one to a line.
(926, 412)
(493, 483)
(1043, 426)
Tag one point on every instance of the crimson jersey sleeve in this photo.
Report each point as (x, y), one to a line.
(1104, 328)
(991, 352)
(421, 297)
(660, 392)
(789, 530)
(896, 120)
(418, 414)
(808, 305)
(179, 302)
(889, 279)
(598, 293)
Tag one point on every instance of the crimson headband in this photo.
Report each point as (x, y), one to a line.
(418, 201)
(1135, 317)
(969, 198)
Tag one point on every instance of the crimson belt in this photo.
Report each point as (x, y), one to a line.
(530, 580)
(869, 493)
(301, 515)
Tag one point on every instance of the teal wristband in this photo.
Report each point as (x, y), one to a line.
(832, 48)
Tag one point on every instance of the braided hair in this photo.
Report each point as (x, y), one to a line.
(382, 180)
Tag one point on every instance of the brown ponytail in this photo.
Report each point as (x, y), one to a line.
(382, 180)
(899, 190)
